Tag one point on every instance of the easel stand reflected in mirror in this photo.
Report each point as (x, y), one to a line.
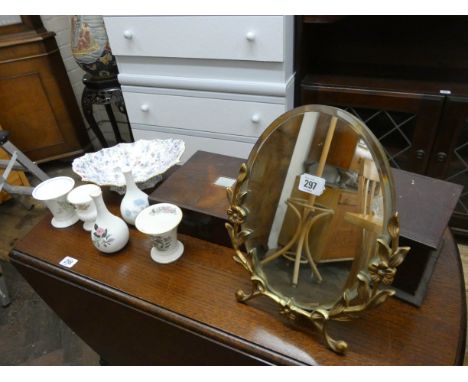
(311, 215)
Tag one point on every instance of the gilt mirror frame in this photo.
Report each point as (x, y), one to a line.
(371, 287)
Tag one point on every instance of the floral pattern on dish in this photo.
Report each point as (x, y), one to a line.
(146, 158)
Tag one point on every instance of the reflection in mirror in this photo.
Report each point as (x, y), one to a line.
(316, 204)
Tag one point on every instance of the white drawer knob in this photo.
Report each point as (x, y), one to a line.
(255, 118)
(128, 34)
(144, 107)
(250, 36)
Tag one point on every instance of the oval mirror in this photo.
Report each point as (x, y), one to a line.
(314, 208)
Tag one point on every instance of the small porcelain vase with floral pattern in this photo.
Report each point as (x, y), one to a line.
(134, 200)
(109, 233)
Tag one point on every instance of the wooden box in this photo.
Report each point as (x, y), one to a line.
(192, 187)
(424, 204)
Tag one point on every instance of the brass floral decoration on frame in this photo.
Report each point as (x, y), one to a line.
(370, 291)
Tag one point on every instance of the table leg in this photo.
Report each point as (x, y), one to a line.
(113, 122)
(4, 297)
(103, 362)
(121, 106)
(87, 105)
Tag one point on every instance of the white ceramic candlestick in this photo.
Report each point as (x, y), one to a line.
(53, 192)
(84, 205)
(109, 233)
(134, 200)
(160, 222)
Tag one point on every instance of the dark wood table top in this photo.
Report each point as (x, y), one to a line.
(196, 293)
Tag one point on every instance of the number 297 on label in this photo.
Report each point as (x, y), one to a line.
(312, 184)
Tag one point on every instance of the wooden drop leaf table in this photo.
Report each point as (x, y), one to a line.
(133, 311)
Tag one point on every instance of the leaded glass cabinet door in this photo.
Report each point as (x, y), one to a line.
(405, 123)
(449, 156)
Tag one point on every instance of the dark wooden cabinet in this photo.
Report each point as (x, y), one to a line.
(405, 122)
(37, 104)
(396, 75)
(449, 157)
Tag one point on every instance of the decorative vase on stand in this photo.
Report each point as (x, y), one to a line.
(110, 233)
(134, 200)
(90, 47)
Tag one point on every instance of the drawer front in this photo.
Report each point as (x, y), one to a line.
(251, 38)
(203, 114)
(193, 144)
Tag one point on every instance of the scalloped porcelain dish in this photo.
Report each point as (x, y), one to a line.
(148, 159)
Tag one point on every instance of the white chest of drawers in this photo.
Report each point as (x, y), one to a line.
(214, 81)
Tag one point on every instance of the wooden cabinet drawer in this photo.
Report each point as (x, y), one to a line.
(251, 38)
(204, 114)
(193, 143)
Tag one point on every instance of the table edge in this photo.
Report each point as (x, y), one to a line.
(182, 322)
(463, 319)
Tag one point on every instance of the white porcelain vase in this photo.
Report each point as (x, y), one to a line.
(134, 200)
(80, 198)
(160, 222)
(109, 233)
(53, 193)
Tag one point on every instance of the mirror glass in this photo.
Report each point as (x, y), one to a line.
(319, 194)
